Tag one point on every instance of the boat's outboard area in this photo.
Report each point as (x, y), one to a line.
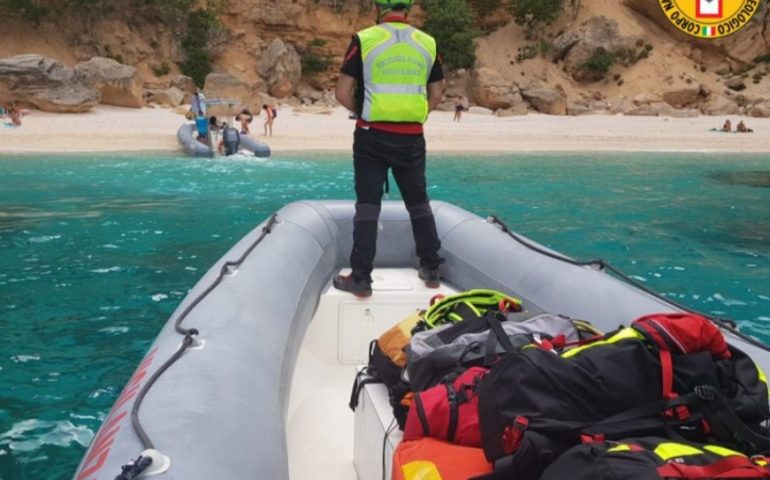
(187, 138)
(212, 396)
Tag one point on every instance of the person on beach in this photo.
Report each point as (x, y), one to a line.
(245, 117)
(728, 126)
(231, 140)
(269, 119)
(14, 115)
(202, 128)
(198, 106)
(198, 111)
(389, 134)
(742, 128)
(459, 108)
(213, 124)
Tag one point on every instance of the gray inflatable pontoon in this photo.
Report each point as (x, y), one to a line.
(186, 137)
(213, 402)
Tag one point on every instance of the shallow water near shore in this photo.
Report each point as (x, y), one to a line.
(97, 251)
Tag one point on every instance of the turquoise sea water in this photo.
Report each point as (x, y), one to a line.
(97, 251)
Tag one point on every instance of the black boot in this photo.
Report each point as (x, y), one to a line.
(359, 288)
(430, 276)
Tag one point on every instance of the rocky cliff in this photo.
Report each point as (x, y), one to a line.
(600, 56)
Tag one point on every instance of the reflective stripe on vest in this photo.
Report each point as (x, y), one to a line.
(398, 59)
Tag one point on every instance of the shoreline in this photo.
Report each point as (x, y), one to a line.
(123, 130)
(430, 151)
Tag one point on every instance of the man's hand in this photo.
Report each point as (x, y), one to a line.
(344, 91)
(435, 93)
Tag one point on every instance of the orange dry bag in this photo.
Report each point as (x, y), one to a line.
(431, 459)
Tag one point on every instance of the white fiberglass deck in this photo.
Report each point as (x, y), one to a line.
(322, 434)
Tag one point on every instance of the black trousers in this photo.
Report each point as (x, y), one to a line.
(374, 153)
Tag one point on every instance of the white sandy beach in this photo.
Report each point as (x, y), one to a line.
(149, 129)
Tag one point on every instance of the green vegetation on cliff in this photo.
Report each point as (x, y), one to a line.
(197, 20)
(201, 27)
(534, 12)
(451, 22)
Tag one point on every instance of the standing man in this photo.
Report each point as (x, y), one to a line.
(198, 108)
(391, 78)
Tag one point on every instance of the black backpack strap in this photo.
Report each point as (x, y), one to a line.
(717, 409)
(371, 377)
(454, 414)
(496, 335)
(644, 417)
(359, 384)
(421, 415)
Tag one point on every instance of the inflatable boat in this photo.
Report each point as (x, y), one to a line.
(187, 139)
(250, 377)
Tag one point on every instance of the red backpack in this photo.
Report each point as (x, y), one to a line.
(448, 411)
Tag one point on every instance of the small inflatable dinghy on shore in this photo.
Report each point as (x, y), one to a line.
(250, 377)
(187, 139)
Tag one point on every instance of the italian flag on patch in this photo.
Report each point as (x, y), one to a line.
(708, 31)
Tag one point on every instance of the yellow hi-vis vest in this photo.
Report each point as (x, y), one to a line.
(398, 59)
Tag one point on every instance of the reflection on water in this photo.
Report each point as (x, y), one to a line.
(97, 252)
(751, 179)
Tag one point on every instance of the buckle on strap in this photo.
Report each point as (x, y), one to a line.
(677, 408)
(706, 392)
(596, 438)
(513, 435)
(681, 412)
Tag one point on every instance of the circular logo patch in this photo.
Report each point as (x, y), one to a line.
(709, 18)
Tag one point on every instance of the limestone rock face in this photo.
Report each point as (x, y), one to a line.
(546, 99)
(476, 110)
(490, 90)
(44, 83)
(119, 84)
(619, 105)
(578, 108)
(654, 109)
(223, 86)
(518, 110)
(281, 68)
(310, 96)
(183, 83)
(646, 98)
(682, 96)
(761, 109)
(720, 105)
(735, 83)
(170, 97)
(599, 34)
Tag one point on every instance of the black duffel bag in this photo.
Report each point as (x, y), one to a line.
(535, 404)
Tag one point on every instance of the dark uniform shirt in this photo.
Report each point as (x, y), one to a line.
(353, 66)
